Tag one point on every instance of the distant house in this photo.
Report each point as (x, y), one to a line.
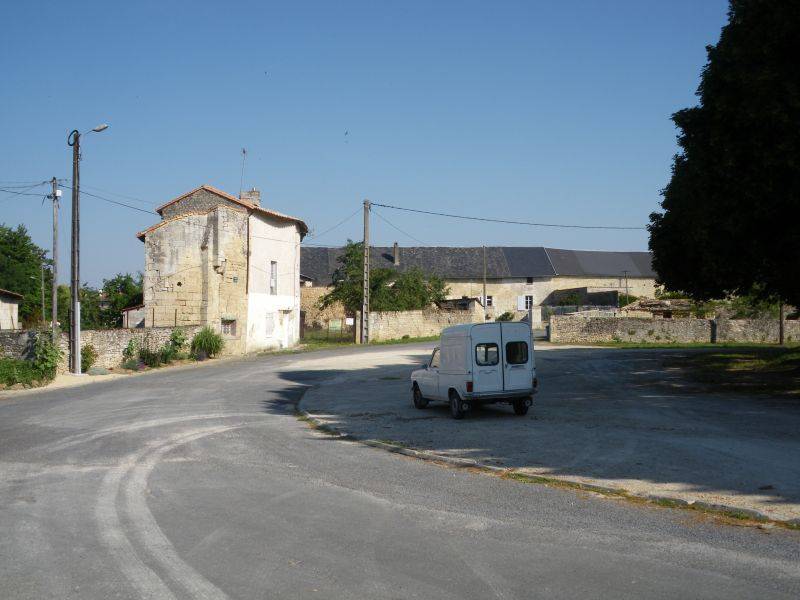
(227, 262)
(516, 277)
(9, 309)
(133, 317)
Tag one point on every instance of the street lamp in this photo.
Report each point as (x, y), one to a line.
(74, 140)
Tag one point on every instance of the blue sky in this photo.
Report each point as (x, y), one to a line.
(543, 111)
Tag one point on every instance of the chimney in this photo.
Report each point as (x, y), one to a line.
(396, 255)
(253, 196)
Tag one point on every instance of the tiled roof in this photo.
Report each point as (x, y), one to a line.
(241, 202)
(318, 264)
(11, 294)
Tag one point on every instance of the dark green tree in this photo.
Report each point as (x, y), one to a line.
(389, 290)
(728, 224)
(20, 271)
(121, 291)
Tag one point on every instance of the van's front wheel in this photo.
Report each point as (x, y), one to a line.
(419, 401)
(521, 406)
(456, 406)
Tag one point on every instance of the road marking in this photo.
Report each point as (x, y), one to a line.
(144, 579)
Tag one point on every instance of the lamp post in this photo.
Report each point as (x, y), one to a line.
(74, 140)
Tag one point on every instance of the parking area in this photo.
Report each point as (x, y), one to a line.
(618, 418)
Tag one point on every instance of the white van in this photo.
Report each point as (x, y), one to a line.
(483, 363)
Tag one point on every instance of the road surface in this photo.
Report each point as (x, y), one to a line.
(201, 483)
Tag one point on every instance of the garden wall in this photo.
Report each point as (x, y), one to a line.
(109, 343)
(577, 330)
(393, 325)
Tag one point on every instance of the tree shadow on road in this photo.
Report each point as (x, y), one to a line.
(609, 414)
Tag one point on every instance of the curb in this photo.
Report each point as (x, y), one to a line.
(723, 510)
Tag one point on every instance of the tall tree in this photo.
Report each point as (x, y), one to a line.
(728, 224)
(121, 291)
(389, 290)
(21, 270)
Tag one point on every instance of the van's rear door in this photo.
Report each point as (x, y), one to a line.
(517, 356)
(487, 374)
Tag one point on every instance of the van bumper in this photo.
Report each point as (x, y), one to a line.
(488, 397)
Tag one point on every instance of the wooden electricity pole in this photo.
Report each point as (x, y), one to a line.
(365, 295)
(485, 308)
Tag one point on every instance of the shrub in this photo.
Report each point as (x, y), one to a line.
(177, 339)
(88, 357)
(506, 316)
(131, 364)
(207, 342)
(149, 357)
(45, 357)
(14, 371)
(167, 353)
(131, 350)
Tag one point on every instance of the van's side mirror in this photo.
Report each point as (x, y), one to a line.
(425, 366)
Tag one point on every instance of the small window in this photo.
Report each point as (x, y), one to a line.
(273, 278)
(528, 302)
(489, 301)
(517, 353)
(486, 355)
(435, 359)
(229, 327)
(529, 280)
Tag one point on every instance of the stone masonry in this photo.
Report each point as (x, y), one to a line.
(577, 330)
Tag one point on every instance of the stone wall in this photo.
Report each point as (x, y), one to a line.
(314, 315)
(109, 343)
(577, 330)
(393, 325)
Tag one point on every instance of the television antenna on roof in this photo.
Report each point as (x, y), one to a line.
(241, 179)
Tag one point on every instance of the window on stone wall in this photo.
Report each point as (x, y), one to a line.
(528, 302)
(489, 301)
(229, 327)
(273, 278)
(529, 280)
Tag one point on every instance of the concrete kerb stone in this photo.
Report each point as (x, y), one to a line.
(427, 455)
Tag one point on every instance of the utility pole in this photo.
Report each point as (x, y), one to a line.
(781, 317)
(627, 295)
(54, 304)
(75, 284)
(485, 308)
(365, 298)
(43, 309)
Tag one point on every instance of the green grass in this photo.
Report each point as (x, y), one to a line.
(14, 371)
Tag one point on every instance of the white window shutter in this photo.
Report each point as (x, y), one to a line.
(521, 303)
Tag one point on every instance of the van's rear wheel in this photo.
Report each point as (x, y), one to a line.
(419, 401)
(456, 406)
(521, 406)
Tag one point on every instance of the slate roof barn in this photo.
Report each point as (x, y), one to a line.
(318, 264)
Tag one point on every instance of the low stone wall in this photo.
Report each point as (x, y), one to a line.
(576, 330)
(109, 343)
(393, 325)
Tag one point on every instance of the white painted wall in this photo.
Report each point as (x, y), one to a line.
(9, 310)
(273, 321)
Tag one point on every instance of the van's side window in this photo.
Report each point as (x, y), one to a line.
(517, 353)
(435, 359)
(486, 355)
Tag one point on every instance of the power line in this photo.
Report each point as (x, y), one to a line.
(342, 222)
(385, 220)
(507, 221)
(149, 212)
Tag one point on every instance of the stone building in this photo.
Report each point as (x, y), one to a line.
(215, 259)
(516, 277)
(9, 309)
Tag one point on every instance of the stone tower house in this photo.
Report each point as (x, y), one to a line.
(227, 262)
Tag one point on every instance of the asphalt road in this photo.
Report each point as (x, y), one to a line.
(200, 483)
